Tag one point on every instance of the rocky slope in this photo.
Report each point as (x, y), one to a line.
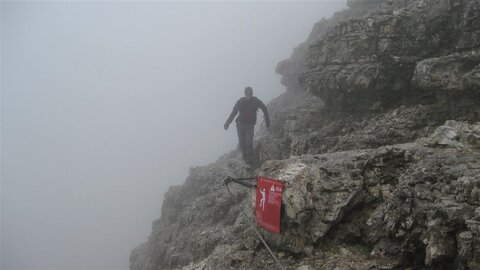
(377, 141)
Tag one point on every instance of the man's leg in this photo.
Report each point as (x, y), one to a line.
(241, 139)
(249, 129)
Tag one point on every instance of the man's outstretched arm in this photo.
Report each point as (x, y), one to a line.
(232, 115)
(265, 112)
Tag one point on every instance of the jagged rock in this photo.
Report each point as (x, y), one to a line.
(448, 135)
(450, 73)
(304, 267)
(445, 136)
(313, 129)
(366, 60)
(292, 68)
(440, 244)
(194, 217)
(377, 141)
(465, 249)
(320, 190)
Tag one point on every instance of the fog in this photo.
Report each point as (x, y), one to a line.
(104, 105)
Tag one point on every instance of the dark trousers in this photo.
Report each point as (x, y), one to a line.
(245, 139)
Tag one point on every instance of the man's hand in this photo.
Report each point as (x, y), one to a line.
(225, 126)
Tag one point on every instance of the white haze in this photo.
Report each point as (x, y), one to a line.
(106, 104)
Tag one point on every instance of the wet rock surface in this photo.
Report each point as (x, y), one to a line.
(377, 141)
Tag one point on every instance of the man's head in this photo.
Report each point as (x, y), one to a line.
(248, 91)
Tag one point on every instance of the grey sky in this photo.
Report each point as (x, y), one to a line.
(106, 104)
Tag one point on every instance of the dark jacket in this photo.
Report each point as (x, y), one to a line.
(247, 111)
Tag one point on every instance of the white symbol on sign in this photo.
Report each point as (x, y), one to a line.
(262, 200)
(272, 189)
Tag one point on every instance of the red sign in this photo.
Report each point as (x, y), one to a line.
(268, 203)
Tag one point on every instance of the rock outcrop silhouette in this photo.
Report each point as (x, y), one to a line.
(377, 140)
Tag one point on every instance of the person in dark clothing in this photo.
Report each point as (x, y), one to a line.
(246, 108)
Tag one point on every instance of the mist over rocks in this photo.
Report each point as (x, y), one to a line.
(377, 140)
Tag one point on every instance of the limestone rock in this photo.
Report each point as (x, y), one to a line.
(454, 72)
(377, 141)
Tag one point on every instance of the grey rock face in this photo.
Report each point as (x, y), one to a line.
(455, 72)
(403, 201)
(366, 60)
(377, 141)
(309, 128)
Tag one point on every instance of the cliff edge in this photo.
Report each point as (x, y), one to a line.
(377, 140)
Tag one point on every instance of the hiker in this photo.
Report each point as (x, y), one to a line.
(247, 107)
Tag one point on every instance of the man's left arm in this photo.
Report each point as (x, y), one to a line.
(264, 109)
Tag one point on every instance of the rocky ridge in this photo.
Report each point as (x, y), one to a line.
(377, 141)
